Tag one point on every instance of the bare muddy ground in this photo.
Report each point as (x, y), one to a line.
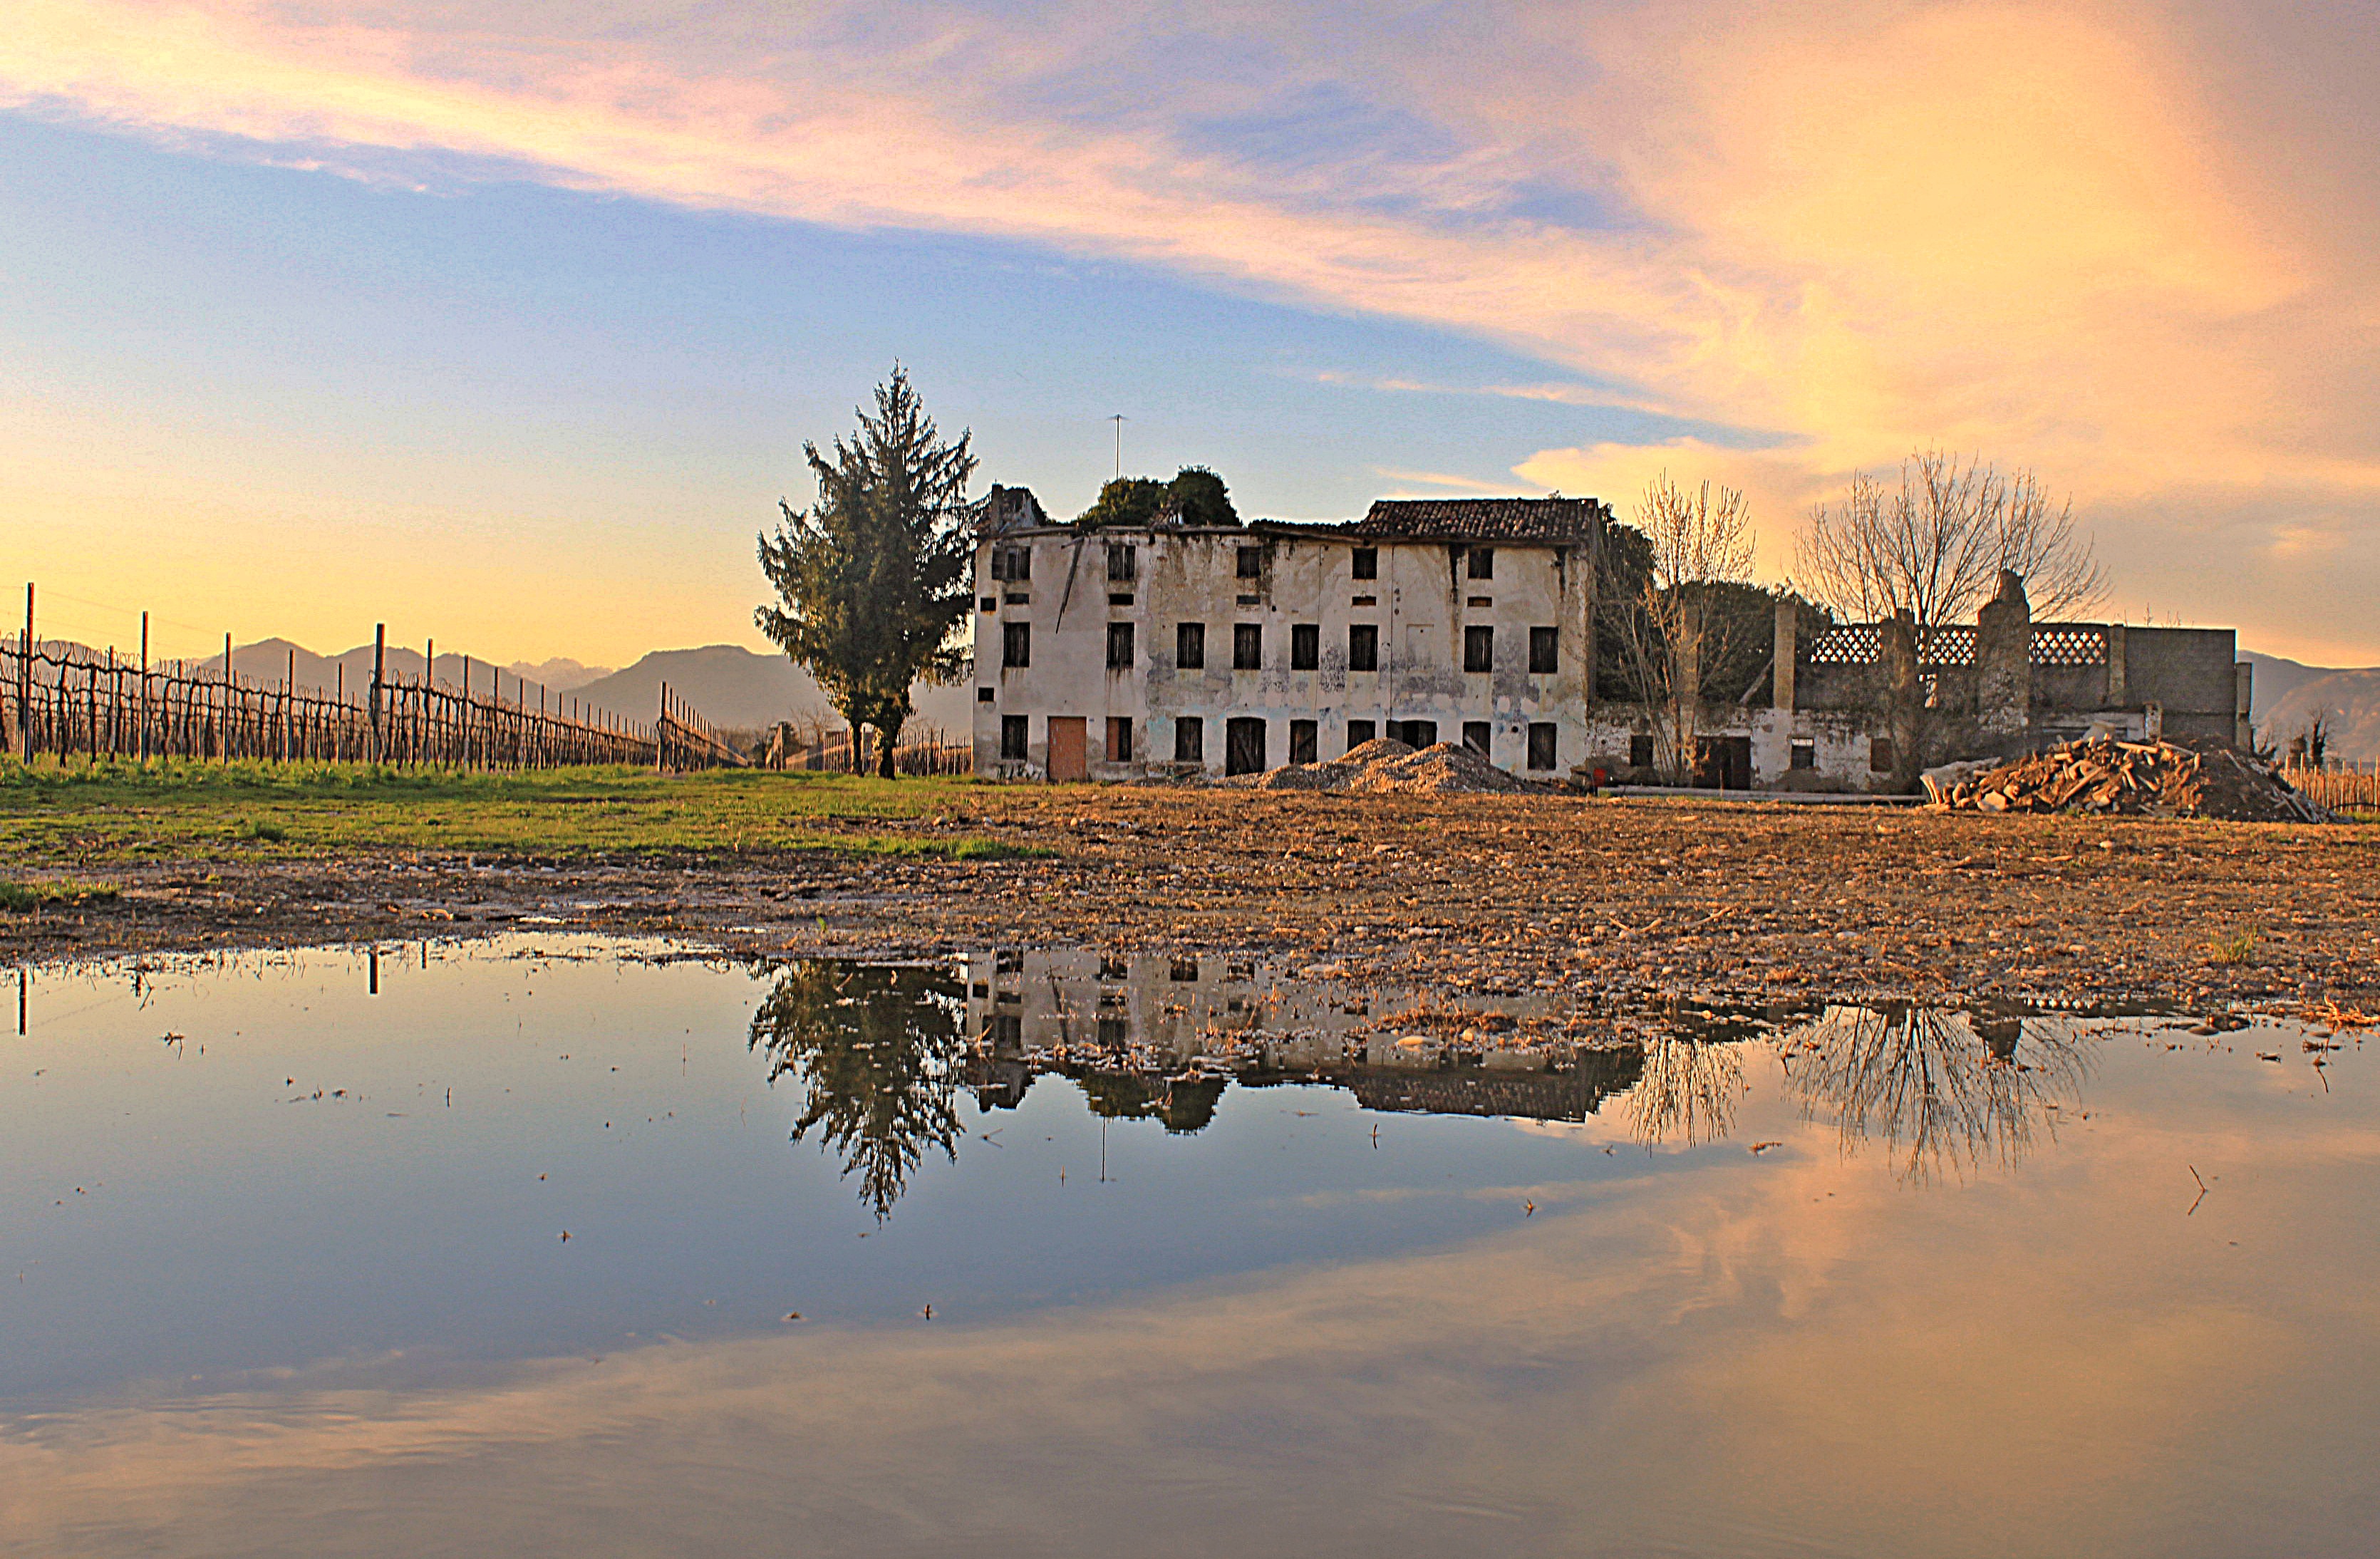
(1602, 903)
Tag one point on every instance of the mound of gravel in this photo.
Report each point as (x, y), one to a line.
(1383, 766)
(2137, 778)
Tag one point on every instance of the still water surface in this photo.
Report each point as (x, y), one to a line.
(281, 1271)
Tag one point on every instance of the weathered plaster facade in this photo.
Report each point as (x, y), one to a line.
(1187, 649)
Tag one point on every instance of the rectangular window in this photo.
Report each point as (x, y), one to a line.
(1483, 563)
(1114, 1033)
(1305, 646)
(1119, 647)
(1244, 746)
(1016, 644)
(1545, 650)
(1475, 736)
(990, 603)
(1479, 649)
(1416, 733)
(1640, 749)
(1541, 743)
(1364, 646)
(1012, 563)
(1119, 739)
(1879, 755)
(1367, 562)
(1190, 646)
(1248, 647)
(1189, 740)
(1305, 739)
(1123, 562)
(1183, 969)
(1251, 563)
(1805, 754)
(985, 696)
(1359, 732)
(1007, 1030)
(1015, 732)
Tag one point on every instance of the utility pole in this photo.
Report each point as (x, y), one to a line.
(1118, 420)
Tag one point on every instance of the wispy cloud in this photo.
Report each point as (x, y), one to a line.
(2053, 232)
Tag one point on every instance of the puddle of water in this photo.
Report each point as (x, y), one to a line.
(1096, 1256)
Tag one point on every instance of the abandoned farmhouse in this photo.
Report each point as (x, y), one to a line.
(1178, 650)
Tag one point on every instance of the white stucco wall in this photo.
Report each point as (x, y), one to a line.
(1421, 602)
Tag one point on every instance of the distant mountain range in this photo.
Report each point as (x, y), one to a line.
(2286, 697)
(727, 684)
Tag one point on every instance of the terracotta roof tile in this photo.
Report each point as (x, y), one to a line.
(1555, 520)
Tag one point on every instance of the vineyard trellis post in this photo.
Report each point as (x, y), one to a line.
(379, 671)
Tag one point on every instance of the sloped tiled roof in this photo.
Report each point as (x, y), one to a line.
(1549, 520)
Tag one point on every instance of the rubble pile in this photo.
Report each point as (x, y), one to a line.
(2133, 778)
(1384, 766)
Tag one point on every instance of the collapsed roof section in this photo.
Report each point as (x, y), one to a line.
(1555, 522)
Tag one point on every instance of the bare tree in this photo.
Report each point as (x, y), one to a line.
(1668, 624)
(1934, 546)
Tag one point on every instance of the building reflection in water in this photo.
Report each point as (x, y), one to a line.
(879, 1050)
(881, 1053)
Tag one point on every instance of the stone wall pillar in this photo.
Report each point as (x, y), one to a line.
(2004, 660)
(1789, 624)
(2243, 701)
(1904, 698)
(2118, 679)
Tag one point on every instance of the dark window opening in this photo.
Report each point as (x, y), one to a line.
(1114, 966)
(1879, 755)
(1541, 743)
(1016, 644)
(990, 603)
(1805, 754)
(1483, 563)
(1305, 646)
(1114, 1033)
(1184, 969)
(983, 696)
(1248, 647)
(1479, 649)
(1359, 732)
(1545, 650)
(1364, 646)
(1190, 646)
(1014, 733)
(1367, 562)
(1414, 734)
(1007, 1030)
(1305, 742)
(1123, 562)
(1251, 563)
(1119, 647)
(1119, 739)
(1475, 736)
(1244, 746)
(1009, 961)
(1012, 563)
(1189, 740)
(1119, 598)
(1640, 749)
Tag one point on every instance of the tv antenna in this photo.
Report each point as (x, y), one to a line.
(1118, 418)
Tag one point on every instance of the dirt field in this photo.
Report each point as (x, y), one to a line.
(1607, 903)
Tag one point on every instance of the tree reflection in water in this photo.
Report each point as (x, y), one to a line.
(1687, 1092)
(1944, 1090)
(879, 1050)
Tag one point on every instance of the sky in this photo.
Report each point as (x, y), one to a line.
(505, 324)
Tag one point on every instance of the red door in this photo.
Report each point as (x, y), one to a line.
(1069, 754)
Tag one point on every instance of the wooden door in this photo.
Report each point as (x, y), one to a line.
(1069, 749)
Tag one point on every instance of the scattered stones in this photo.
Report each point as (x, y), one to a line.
(1386, 767)
(2131, 778)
